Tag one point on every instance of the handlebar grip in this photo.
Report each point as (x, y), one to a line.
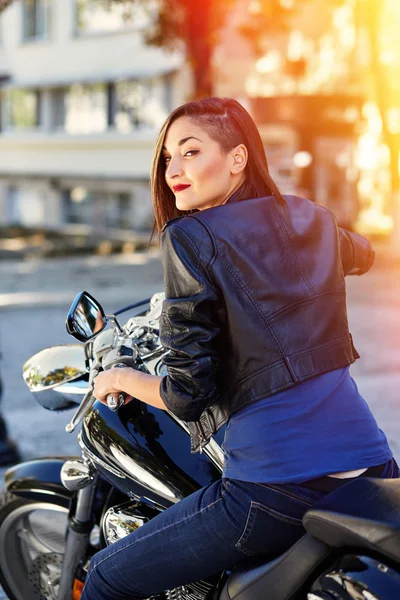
(114, 404)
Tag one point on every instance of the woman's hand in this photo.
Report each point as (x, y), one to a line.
(132, 382)
(110, 382)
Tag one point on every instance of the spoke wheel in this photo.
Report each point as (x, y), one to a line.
(32, 546)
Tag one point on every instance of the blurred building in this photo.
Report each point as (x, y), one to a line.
(82, 99)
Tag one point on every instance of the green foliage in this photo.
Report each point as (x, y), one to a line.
(194, 23)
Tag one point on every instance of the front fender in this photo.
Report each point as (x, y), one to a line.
(39, 480)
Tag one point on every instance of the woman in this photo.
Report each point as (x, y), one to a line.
(255, 321)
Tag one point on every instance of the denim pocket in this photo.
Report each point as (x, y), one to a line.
(268, 531)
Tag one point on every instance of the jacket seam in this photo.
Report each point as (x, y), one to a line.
(208, 267)
(193, 246)
(255, 303)
(281, 362)
(335, 364)
(306, 301)
(268, 319)
(198, 263)
(214, 242)
(245, 378)
(322, 346)
(305, 375)
(282, 226)
(283, 386)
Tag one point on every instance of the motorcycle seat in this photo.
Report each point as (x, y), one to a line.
(365, 513)
(281, 578)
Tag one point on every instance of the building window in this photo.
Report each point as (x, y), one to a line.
(12, 205)
(21, 109)
(102, 16)
(141, 104)
(125, 105)
(118, 211)
(58, 108)
(80, 109)
(36, 18)
(100, 210)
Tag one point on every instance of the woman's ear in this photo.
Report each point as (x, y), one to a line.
(239, 156)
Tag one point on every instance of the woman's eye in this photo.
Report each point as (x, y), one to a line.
(167, 159)
(191, 152)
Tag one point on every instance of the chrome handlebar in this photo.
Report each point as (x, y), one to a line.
(117, 351)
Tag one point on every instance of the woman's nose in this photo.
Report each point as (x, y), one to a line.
(174, 168)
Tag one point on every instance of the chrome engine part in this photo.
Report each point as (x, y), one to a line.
(119, 521)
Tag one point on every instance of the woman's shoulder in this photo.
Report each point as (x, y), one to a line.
(188, 234)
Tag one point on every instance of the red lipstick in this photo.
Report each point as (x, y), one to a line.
(180, 187)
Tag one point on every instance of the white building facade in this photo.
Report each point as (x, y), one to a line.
(82, 99)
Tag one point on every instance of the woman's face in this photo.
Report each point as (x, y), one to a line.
(198, 172)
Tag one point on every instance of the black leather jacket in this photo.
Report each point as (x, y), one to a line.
(255, 304)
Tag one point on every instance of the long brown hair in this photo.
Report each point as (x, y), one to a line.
(229, 124)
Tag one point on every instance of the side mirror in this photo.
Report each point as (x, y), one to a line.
(50, 373)
(85, 318)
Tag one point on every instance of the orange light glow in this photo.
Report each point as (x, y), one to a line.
(77, 589)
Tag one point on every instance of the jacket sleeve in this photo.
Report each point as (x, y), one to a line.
(357, 253)
(188, 324)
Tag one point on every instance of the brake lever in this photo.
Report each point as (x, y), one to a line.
(85, 405)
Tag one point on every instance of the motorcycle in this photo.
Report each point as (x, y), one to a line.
(57, 512)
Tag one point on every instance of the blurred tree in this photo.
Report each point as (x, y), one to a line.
(369, 16)
(266, 17)
(197, 25)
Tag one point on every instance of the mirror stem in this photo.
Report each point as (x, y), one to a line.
(114, 319)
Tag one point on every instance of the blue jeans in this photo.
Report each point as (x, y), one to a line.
(203, 534)
(207, 532)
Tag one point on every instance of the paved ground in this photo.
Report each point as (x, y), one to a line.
(35, 296)
(34, 300)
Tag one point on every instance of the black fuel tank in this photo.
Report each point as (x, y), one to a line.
(144, 452)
